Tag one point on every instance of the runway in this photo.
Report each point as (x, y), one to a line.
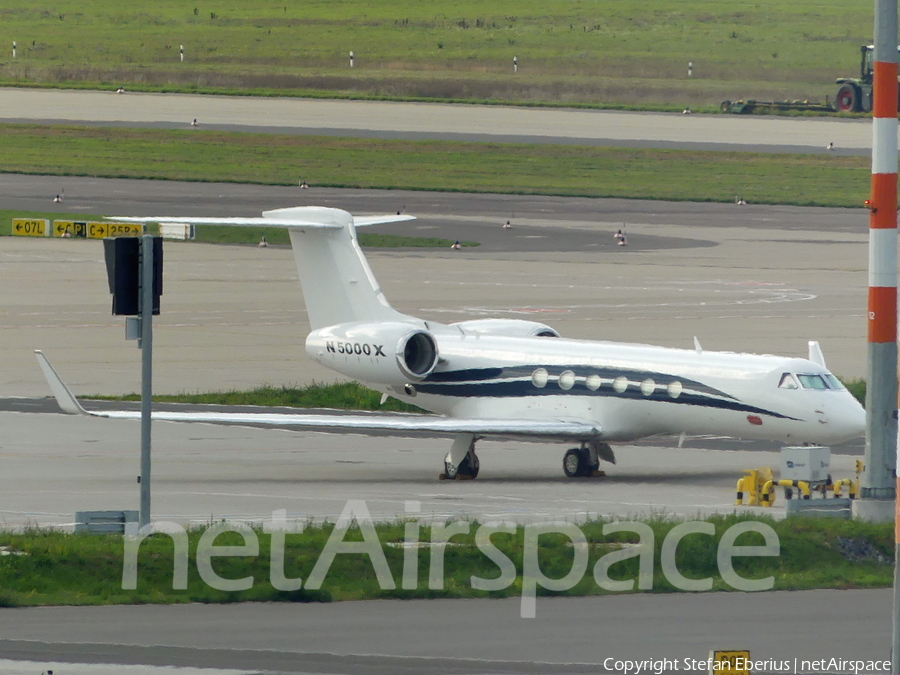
(421, 121)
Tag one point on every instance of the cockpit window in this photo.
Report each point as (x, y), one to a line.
(812, 381)
(834, 382)
(788, 382)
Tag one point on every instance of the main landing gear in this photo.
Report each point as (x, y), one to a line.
(582, 462)
(461, 463)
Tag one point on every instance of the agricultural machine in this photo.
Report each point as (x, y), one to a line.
(855, 94)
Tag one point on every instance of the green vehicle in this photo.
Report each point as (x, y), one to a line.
(855, 94)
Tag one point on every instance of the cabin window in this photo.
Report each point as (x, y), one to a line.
(675, 388)
(648, 386)
(833, 381)
(539, 378)
(593, 382)
(788, 382)
(812, 381)
(566, 379)
(620, 384)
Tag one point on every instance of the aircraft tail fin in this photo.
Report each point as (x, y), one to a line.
(338, 284)
(64, 397)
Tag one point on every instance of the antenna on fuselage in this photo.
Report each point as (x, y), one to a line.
(697, 347)
(815, 354)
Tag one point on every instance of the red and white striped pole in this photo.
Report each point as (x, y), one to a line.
(880, 485)
(881, 397)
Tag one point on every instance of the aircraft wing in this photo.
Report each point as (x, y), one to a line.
(559, 429)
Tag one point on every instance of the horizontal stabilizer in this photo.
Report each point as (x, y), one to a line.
(363, 221)
(242, 222)
(313, 217)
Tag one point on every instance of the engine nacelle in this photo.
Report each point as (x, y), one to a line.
(388, 352)
(507, 327)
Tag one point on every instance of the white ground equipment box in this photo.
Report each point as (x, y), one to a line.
(806, 463)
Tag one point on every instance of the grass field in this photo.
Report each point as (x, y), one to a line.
(683, 175)
(342, 395)
(54, 568)
(586, 51)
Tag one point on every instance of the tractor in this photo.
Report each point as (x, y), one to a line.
(855, 94)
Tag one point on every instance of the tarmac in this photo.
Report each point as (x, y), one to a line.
(740, 278)
(744, 278)
(203, 473)
(758, 279)
(583, 635)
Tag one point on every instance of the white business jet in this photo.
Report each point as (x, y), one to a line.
(519, 379)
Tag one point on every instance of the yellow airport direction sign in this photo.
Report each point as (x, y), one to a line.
(30, 227)
(124, 229)
(69, 228)
(730, 662)
(97, 230)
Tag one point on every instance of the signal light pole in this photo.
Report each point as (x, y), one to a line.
(146, 346)
(134, 270)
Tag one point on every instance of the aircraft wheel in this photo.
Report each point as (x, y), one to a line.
(467, 469)
(450, 471)
(576, 463)
(473, 464)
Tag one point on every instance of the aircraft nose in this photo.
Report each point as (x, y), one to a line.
(847, 418)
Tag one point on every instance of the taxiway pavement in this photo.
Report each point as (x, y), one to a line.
(55, 465)
(379, 119)
(751, 278)
(742, 278)
(463, 637)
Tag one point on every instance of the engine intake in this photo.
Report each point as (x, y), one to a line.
(419, 355)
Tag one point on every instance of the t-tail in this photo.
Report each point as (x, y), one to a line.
(338, 284)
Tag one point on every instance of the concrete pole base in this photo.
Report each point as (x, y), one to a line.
(873, 510)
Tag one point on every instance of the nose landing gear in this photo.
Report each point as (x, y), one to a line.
(461, 463)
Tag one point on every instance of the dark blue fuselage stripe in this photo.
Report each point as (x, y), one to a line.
(520, 388)
(606, 373)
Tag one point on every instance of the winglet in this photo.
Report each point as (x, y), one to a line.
(815, 354)
(65, 398)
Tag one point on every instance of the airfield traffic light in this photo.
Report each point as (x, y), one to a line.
(123, 271)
